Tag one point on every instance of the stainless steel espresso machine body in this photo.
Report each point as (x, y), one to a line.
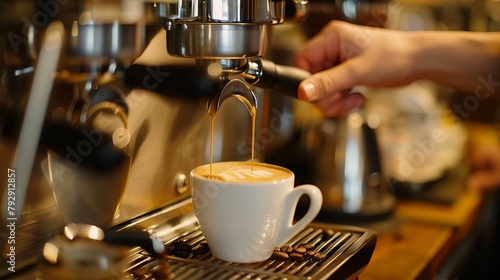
(126, 85)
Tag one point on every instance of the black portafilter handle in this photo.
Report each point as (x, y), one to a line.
(192, 81)
(281, 78)
(149, 242)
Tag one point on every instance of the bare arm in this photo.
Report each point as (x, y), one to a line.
(345, 55)
(458, 59)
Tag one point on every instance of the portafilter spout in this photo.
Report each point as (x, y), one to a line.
(256, 72)
(233, 88)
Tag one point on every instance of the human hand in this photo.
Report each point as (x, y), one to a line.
(344, 55)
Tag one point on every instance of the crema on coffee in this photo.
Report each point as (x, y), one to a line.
(237, 171)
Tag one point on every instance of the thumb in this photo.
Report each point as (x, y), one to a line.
(337, 79)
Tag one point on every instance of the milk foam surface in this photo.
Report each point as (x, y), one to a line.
(242, 172)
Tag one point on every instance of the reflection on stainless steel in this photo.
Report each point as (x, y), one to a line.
(81, 254)
(235, 38)
(237, 89)
(72, 231)
(217, 40)
(108, 41)
(221, 29)
(31, 127)
(348, 251)
(163, 10)
(97, 34)
(86, 195)
(82, 259)
(346, 165)
(224, 29)
(168, 139)
(245, 11)
(151, 138)
(87, 45)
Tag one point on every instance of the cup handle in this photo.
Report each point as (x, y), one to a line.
(289, 229)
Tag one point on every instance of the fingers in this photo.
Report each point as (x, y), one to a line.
(340, 105)
(334, 80)
(317, 55)
(322, 51)
(325, 87)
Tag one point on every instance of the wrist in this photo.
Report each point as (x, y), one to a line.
(455, 59)
(433, 55)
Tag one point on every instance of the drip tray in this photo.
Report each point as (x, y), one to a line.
(346, 250)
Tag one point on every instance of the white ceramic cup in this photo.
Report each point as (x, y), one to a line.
(244, 221)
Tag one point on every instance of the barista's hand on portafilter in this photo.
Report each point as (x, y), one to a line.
(344, 55)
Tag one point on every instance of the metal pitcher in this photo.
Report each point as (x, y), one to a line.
(345, 164)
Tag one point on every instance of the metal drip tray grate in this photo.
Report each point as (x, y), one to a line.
(347, 250)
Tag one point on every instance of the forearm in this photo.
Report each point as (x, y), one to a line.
(462, 60)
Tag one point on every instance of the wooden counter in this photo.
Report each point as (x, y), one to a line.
(432, 239)
(423, 239)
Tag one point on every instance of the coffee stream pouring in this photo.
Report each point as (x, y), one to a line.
(238, 89)
(227, 38)
(101, 86)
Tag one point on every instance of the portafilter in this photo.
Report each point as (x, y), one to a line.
(227, 38)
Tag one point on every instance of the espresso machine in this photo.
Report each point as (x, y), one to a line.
(105, 111)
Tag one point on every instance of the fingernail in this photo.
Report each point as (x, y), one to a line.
(310, 91)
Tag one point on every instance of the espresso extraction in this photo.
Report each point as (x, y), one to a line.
(103, 164)
(238, 89)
